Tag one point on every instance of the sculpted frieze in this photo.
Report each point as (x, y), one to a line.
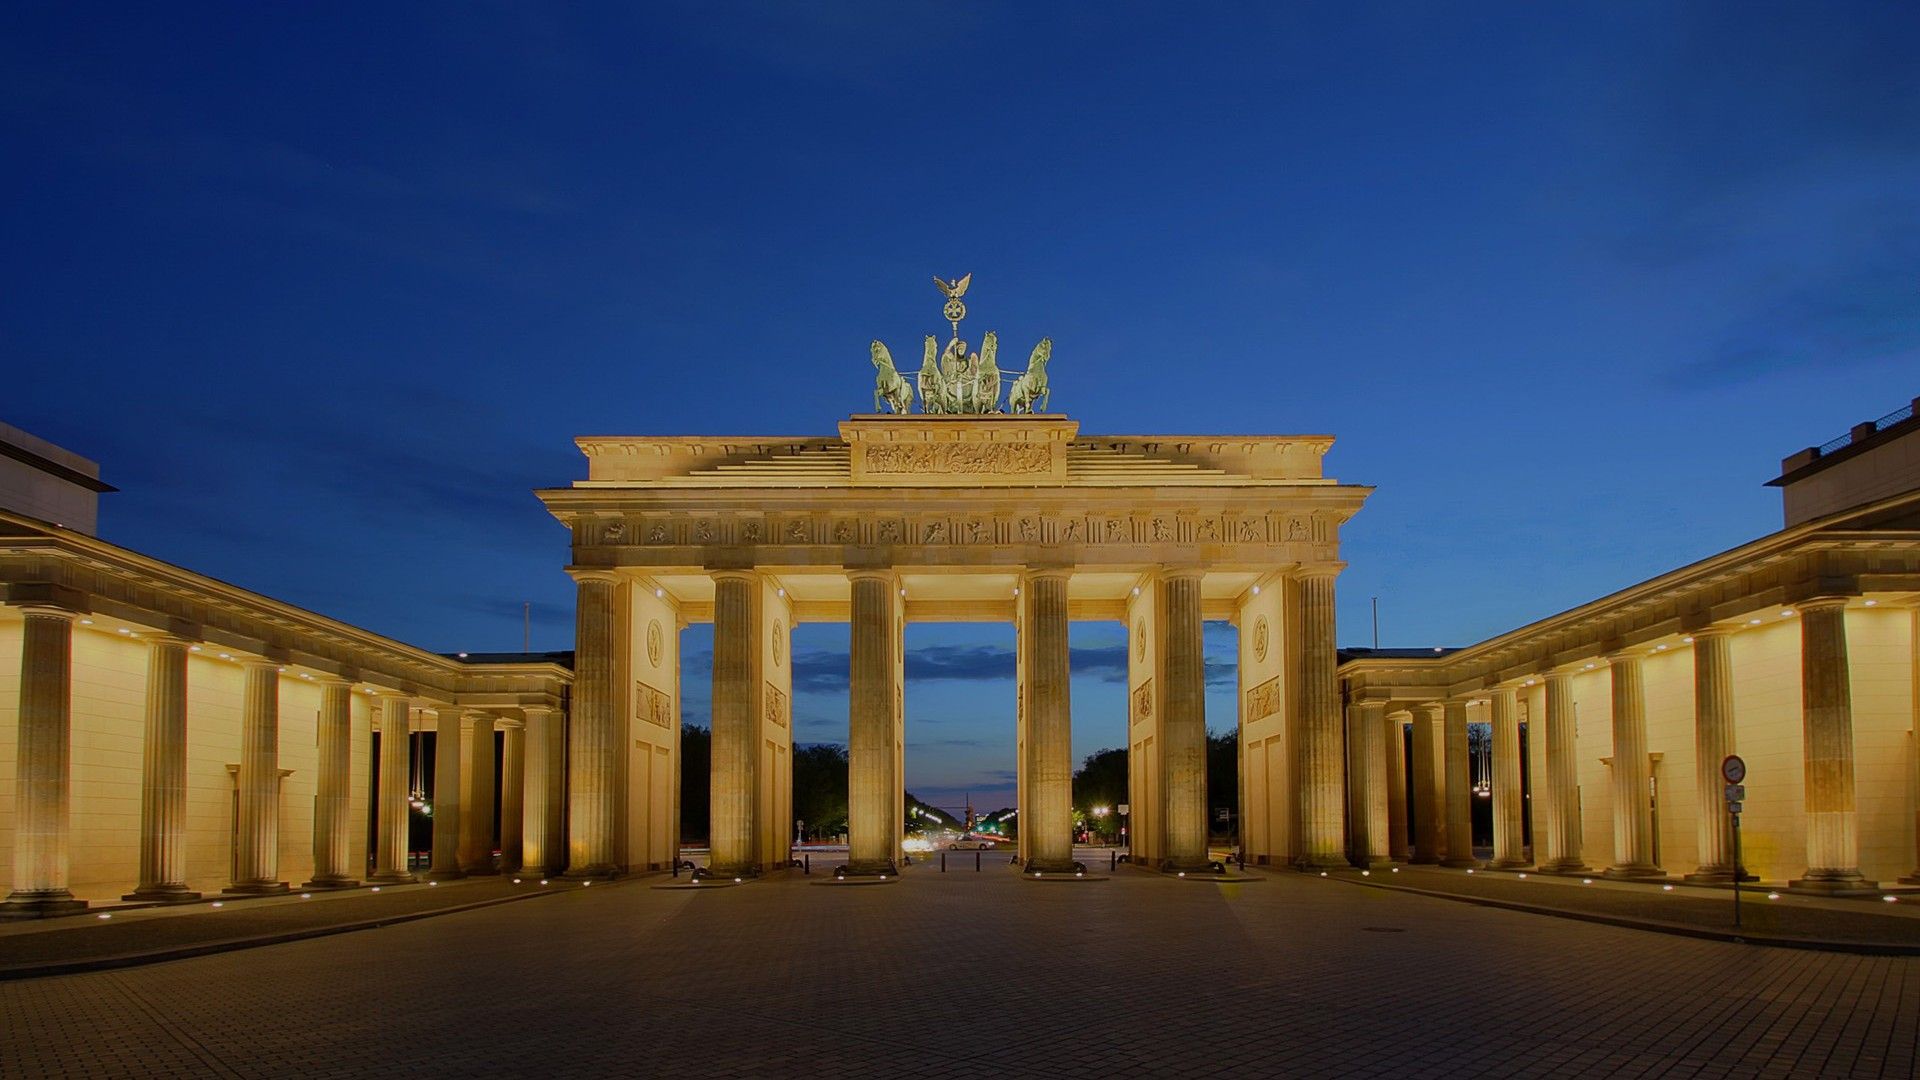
(652, 705)
(967, 458)
(1264, 700)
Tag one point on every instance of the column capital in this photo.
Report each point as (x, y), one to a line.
(41, 598)
(1817, 603)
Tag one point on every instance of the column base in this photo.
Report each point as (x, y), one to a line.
(40, 905)
(165, 894)
(391, 877)
(1053, 866)
(865, 868)
(255, 888)
(332, 883)
(1716, 875)
(1834, 883)
(1633, 872)
(1564, 866)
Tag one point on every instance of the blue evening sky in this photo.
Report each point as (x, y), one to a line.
(328, 290)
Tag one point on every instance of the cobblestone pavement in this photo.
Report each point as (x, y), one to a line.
(967, 974)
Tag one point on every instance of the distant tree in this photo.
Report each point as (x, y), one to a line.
(696, 757)
(820, 788)
(1101, 781)
(1223, 780)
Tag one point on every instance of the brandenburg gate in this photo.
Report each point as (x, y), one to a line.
(961, 512)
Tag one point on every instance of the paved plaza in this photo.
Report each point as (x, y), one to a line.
(967, 974)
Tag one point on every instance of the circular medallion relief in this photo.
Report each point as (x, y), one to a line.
(654, 642)
(1260, 638)
(779, 641)
(1140, 639)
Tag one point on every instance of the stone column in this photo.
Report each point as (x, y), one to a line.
(1459, 788)
(1393, 733)
(257, 843)
(1509, 838)
(163, 775)
(448, 795)
(1427, 816)
(1632, 773)
(1826, 699)
(1323, 796)
(333, 795)
(1043, 647)
(736, 730)
(1712, 742)
(1183, 721)
(544, 840)
(1563, 832)
(1367, 780)
(513, 758)
(392, 815)
(40, 809)
(597, 700)
(872, 818)
(476, 797)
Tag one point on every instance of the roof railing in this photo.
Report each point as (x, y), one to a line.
(1865, 430)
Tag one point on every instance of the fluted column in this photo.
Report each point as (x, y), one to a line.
(1427, 815)
(41, 762)
(257, 840)
(593, 731)
(1367, 781)
(544, 840)
(448, 797)
(1712, 741)
(1459, 788)
(1509, 838)
(163, 775)
(513, 756)
(333, 795)
(1826, 698)
(1632, 772)
(736, 741)
(476, 802)
(1183, 721)
(873, 821)
(1393, 733)
(1563, 832)
(392, 815)
(1323, 789)
(1043, 645)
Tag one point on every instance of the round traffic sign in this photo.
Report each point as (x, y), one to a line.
(1733, 769)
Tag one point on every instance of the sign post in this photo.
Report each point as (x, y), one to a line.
(1734, 771)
